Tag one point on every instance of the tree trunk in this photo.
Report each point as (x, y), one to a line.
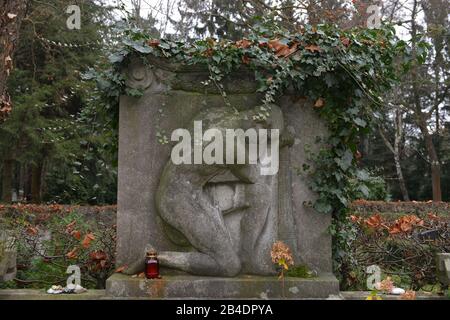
(395, 149)
(12, 13)
(401, 179)
(421, 118)
(7, 180)
(434, 159)
(398, 141)
(36, 182)
(27, 183)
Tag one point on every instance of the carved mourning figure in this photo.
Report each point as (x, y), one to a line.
(223, 215)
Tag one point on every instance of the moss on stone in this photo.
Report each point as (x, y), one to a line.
(300, 271)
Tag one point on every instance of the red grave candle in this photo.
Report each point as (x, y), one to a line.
(152, 265)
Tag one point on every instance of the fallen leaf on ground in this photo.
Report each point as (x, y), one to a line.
(32, 231)
(313, 48)
(374, 221)
(76, 234)
(72, 254)
(121, 269)
(70, 226)
(87, 240)
(408, 295)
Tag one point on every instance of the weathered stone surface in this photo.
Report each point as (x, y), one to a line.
(149, 214)
(443, 267)
(8, 257)
(242, 287)
(313, 238)
(32, 294)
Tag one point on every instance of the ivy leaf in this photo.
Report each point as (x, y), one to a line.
(138, 46)
(360, 122)
(116, 57)
(362, 175)
(319, 71)
(345, 161)
(164, 45)
(364, 189)
(322, 206)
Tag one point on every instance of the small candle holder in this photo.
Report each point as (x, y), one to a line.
(152, 265)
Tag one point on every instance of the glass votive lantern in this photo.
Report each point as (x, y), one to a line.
(152, 265)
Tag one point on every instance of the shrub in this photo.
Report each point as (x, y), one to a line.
(51, 238)
(404, 247)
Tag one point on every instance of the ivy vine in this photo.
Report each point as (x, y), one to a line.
(344, 73)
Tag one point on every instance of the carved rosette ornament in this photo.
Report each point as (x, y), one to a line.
(139, 76)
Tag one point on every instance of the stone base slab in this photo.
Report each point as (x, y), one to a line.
(243, 287)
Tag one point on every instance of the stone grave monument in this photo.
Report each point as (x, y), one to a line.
(213, 225)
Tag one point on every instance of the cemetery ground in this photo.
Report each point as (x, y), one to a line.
(387, 234)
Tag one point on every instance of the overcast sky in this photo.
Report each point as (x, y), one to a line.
(158, 9)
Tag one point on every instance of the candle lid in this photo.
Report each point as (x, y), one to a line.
(152, 253)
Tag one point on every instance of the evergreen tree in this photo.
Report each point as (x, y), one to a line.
(56, 135)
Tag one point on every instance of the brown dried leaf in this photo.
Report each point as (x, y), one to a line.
(87, 240)
(98, 255)
(121, 269)
(32, 230)
(408, 295)
(313, 48)
(70, 226)
(345, 41)
(319, 103)
(153, 43)
(72, 254)
(245, 59)
(76, 234)
(244, 43)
